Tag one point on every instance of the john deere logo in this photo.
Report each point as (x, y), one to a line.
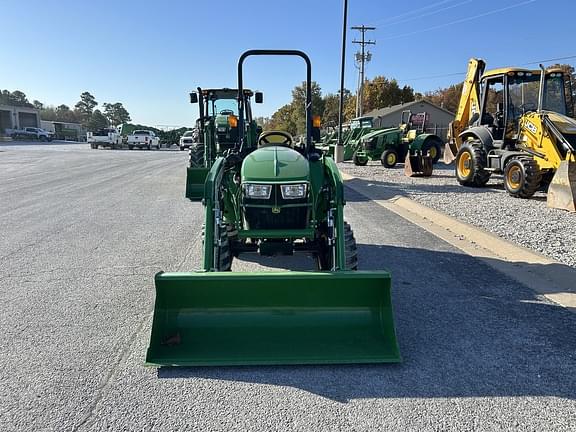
(276, 210)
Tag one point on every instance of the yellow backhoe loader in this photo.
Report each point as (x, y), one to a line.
(516, 122)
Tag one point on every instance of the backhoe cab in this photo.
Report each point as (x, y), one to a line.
(514, 122)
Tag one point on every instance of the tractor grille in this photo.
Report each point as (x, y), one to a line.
(370, 144)
(288, 218)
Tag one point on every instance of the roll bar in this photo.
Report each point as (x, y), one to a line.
(297, 53)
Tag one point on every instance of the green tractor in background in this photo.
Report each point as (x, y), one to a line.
(269, 196)
(351, 136)
(218, 131)
(218, 123)
(392, 145)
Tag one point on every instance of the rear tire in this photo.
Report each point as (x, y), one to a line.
(358, 161)
(130, 147)
(197, 155)
(471, 162)
(389, 158)
(522, 177)
(433, 147)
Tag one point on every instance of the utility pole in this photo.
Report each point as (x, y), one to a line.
(362, 57)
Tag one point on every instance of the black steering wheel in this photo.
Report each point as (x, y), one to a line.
(226, 112)
(278, 138)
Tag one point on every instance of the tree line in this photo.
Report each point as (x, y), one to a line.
(378, 92)
(84, 111)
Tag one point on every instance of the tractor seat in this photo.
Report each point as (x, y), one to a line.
(411, 135)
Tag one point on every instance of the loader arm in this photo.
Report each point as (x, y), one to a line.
(468, 106)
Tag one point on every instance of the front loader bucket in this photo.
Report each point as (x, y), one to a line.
(562, 190)
(195, 178)
(225, 318)
(450, 152)
(418, 165)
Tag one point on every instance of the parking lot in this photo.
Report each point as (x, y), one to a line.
(84, 231)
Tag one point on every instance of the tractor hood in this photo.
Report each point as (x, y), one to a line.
(378, 132)
(275, 164)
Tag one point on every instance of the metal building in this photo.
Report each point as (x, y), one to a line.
(437, 120)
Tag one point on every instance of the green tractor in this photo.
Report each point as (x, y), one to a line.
(272, 197)
(218, 131)
(391, 145)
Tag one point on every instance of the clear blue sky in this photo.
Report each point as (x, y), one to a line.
(149, 55)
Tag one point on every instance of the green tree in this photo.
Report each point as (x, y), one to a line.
(380, 92)
(331, 107)
(15, 98)
(65, 114)
(97, 121)
(283, 119)
(116, 113)
(37, 104)
(298, 105)
(85, 107)
(448, 98)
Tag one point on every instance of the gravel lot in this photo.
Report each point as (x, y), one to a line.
(82, 233)
(529, 223)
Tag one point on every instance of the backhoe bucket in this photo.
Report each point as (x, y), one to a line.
(562, 189)
(418, 165)
(195, 178)
(225, 318)
(450, 152)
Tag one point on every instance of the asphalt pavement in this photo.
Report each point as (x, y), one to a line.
(82, 233)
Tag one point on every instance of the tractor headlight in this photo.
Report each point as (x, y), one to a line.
(293, 191)
(257, 191)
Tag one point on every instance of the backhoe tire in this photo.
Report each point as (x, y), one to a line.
(324, 254)
(359, 162)
(433, 147)
(389, 158)
(197, 155)
(522, 177)
(471, 162)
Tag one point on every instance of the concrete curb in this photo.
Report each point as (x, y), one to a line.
(552, 279)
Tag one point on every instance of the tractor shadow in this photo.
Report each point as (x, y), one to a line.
(464, 330)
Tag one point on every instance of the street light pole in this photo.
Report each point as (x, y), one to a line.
(339, 148)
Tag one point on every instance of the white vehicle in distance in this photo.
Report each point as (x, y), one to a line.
(190, 137)
(106, 137)
(30, 133)
(143, 139)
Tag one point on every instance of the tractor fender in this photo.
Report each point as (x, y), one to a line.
(480, 133)
(421, 139)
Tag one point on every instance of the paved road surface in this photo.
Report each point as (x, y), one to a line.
(82, 232)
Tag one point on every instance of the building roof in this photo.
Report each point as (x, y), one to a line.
(381, 112)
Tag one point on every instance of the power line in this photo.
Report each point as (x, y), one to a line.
(464, 73)
(434, 12)
(492, 12)
(413, 11)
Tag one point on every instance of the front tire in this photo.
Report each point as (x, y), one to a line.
(471, 162)
(522, 177)
(359, 161)
(324, 255)
(130, 147)
(197, 155)
(389, 158)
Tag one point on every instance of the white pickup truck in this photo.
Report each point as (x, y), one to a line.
(143, 139)
(30, 133)
(107, 137)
